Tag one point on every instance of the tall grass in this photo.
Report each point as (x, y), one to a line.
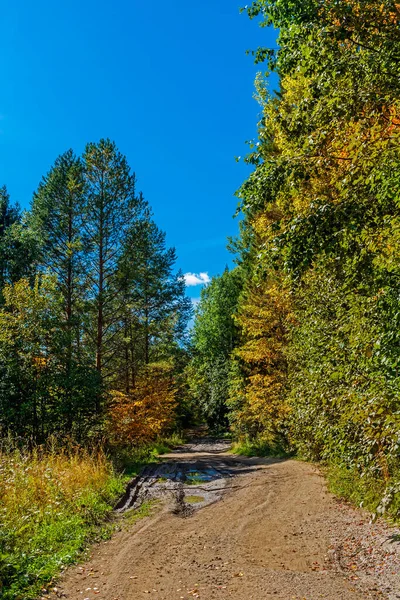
(370, 492)
(132, 460)
(259, 447)
(51, 500)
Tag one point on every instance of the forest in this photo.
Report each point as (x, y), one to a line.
(93, 314)
(306, 358)
(295, 350)
(93, 345)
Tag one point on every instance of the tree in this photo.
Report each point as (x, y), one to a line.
(321, 224)
(214, 338)
(16, 243)
(36, 399)
(100, 309)
(258, 390)
(156, 307)
(146, 412)
(110, 202)
(56, 218)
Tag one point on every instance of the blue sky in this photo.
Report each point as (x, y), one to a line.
(169, 82)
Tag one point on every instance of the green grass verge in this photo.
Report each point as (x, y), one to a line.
(46, 526)
(258, 447)
(365, 491)
(53, 505)
(132, 460)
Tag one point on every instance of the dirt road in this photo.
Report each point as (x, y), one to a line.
(242, 529)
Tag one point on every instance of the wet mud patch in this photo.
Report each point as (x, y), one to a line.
(178, 484)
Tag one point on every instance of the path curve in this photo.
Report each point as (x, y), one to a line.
(271, 531)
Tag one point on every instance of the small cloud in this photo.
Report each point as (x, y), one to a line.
(192, 279)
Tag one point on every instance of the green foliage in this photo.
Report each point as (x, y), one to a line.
(321, 226)
(214, 330)
(89, 297)
(110, 205)
(156, 309)
(56, 220)
(17, 246)
(344, 383)
(258, 447)
(348, 484)
(53, 503)
(214, 338)
(56, 500)
(132, 460)
(36, 398)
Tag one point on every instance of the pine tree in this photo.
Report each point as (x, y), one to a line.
(16, 243)
(110, 202)
(56, 220)
(156, 308)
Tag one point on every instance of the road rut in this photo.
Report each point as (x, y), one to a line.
(262, 529)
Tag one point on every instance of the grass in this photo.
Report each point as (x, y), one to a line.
(53, 503)
(194, 499)
(145, 510)
(361, 491)
(131, 461)
(258, 447)
(366, 491)
(194, 479)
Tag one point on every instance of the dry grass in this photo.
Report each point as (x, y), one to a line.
(50, 502)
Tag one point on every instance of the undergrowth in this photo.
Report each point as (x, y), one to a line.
(132, 460)
(52, 503)
(370, 493)
(55, 501)
(258, 447)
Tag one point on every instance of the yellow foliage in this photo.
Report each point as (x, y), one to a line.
(263, 317)
(27, 317)
(147, 411)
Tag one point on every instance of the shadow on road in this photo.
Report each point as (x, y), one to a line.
(193, 476)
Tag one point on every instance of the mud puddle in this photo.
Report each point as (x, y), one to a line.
(186, 485)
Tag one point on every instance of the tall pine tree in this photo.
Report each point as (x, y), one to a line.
(56, 220)
(156, 308)
(110, 202)
(16, 242)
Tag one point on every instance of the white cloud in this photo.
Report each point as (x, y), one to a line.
(192, 279)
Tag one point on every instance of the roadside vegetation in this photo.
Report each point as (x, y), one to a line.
(295, 350)
(55, 500)
(93, 347)
(52, 503)
(258, 447)
(298, 346)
